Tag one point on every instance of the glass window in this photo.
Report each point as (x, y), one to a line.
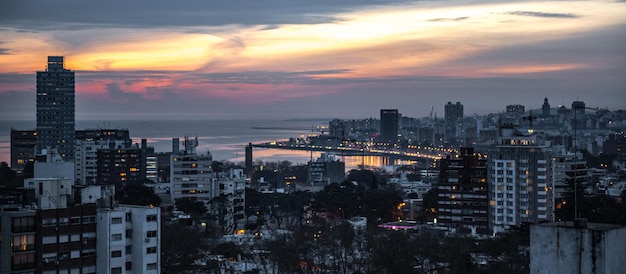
(49, 240)
(23, 242)
(23, 224)
(116, 253)
(49, 222)
(89, 219)
(151, 218)
(63, 238)
(151, 250)
(116, 237)
(116, 220)
(22, 261)
(75, 220)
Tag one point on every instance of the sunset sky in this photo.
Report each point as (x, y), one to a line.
(272, 59)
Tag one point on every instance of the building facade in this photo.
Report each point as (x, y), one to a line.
(389, 125)
(519, 176)
(66, 238)
(191, 175)
(88, 142)
(22, 148)
(128, 239)
(120, 166)
(326, 170)
(453, 120)
(463, 193)
(18, 250)
(55, 108)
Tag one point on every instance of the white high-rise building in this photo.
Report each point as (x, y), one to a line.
(191, 175)
(519, 176)
(129, 239)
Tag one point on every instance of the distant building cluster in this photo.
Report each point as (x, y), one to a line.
(488, 173)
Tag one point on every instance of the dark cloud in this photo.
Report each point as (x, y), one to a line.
(542, 14)
(11, 77)
(72, 15)
(4, 51)
(448, 19)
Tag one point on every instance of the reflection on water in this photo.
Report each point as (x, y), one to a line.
(303, 157)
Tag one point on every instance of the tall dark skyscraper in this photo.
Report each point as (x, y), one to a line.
(55, 108)
(453, 120)
(389, 125)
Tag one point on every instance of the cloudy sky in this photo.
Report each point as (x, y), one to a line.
(304, 59)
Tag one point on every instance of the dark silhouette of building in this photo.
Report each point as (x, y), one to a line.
(453, 121)
(22, 148)
(389, 125)
(55, 108)
(545, 108)
(463, 193)
(249, 166)
(515, 111)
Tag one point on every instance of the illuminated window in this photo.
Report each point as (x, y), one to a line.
(23, 242)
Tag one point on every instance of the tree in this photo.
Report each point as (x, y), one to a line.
(365, 178)
(181, 246)
(137, 194)
(285, 253)
(392, 252)
(228, 249)
(191, 207)
(8, 177)
(430, 206)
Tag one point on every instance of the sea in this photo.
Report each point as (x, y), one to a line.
(224, 139)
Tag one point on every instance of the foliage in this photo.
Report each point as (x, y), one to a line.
(365, 178)
(137, 194)
(430, 206)
(9, 178)
(181, 246)
(228, 249)
(191, 207)
(285, 253)
(509, 250)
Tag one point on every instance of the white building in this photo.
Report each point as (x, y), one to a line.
(519, 176)
(191, 175)
(128, 239)
(50, 164)
(51, 193)
(152, 168)
(86, 161)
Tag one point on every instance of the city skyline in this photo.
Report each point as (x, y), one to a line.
(323, 59)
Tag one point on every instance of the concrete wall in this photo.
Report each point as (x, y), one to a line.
(563, 248)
